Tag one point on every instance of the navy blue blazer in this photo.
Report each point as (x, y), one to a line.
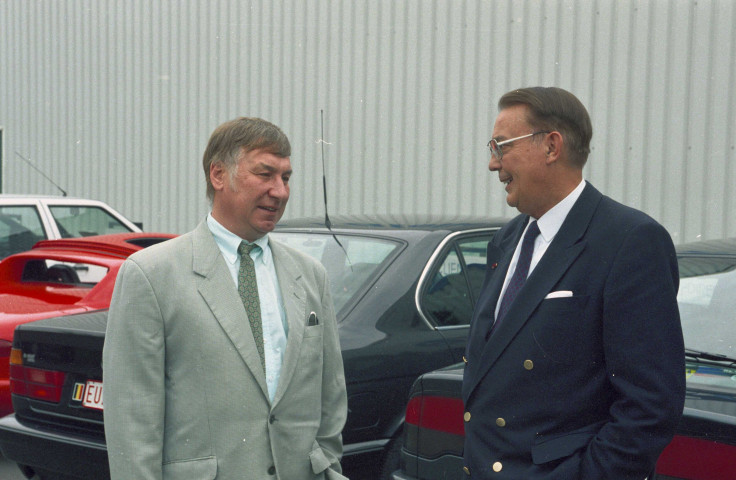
(587, 386)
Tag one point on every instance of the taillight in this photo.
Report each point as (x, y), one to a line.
(689, 457)
(444, 414)
(34, 382)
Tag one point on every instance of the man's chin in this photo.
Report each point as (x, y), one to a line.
(267, 226)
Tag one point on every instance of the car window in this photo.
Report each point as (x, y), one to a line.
(81, 221)
(349, 269)
(455, 283)
(474, 256)
(20, 229)
(707, 301)
(64, 273)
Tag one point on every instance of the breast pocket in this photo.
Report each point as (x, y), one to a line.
(563, 333)
(313, 331)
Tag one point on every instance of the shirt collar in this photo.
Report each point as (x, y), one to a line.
(229, 243)
(550, 223)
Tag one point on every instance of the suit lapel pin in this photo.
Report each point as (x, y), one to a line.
(494, 266)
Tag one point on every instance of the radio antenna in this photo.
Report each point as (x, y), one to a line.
(28, 161)
(328, 223)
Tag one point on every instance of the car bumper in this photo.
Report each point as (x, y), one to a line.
(45, 451)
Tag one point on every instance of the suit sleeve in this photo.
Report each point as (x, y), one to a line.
(133, 377)
(644, 356)
(334, 396)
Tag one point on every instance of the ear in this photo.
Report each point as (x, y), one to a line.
(554, 145)
(218, 175)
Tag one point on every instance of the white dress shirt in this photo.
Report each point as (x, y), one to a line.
(549, 224)
(275, 327)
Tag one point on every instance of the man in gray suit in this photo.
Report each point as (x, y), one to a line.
(221, 357)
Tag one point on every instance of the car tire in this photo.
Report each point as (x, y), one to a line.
(392, 458)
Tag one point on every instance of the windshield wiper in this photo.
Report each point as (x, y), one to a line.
(716, 357)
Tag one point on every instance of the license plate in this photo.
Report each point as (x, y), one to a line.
(92, 397)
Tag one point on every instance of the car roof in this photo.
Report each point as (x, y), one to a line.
(18, 196)
(724, 247)
(394, 222)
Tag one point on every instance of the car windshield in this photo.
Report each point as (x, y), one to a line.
(349, 269)
(707, 301)
(81, 221)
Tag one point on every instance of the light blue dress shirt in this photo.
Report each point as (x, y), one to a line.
(273, 316)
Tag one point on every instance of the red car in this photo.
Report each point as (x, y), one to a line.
(60, 277)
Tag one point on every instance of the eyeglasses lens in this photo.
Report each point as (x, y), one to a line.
(495, 150)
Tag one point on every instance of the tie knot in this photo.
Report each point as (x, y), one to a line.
(246, 248)
(532, 231)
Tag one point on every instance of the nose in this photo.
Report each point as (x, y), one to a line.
(279, 189)
(494, 164)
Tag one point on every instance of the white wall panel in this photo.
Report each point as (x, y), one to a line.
(115, 100)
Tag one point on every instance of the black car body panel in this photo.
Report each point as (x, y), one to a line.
(65, 436)
(388, 338)
(704, 446)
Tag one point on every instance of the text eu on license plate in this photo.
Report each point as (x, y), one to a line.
(92, 395)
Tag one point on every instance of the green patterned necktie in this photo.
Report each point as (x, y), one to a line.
(248, 290)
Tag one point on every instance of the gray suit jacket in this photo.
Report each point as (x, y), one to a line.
(185, 394)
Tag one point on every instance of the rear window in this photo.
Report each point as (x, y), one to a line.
(349, 269)
(79, 221)
(707, 301)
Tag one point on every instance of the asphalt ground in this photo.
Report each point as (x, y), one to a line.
(9, 470)
(367, 469)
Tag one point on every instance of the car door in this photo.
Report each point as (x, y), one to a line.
(450, 289)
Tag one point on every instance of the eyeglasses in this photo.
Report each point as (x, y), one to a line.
(495, 145)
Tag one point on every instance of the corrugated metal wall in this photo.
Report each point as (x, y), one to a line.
(116, 100)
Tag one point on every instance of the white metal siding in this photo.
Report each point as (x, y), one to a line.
(116, 100)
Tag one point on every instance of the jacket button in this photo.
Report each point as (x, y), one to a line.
(500, 422)
(466, 470)
(497, 467)
(272, 419)
(465, 360)
(271, 470)
(466, 417)
(528, 364)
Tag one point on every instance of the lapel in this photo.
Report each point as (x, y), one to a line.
(498, 258)
(215, 284)
(562, 252)
(294, 297)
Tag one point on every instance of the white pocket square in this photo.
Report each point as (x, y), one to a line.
(559, 294)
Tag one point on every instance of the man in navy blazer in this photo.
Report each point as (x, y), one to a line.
(581, 374)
